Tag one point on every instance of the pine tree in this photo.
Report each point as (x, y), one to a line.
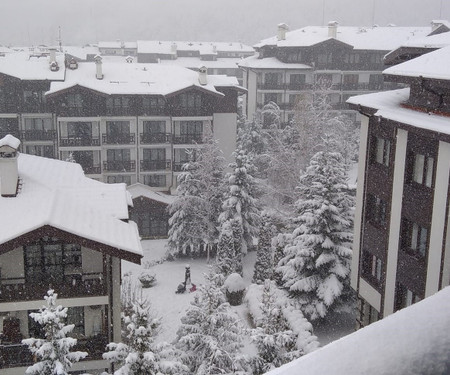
(282, 334)
(226, 260)
(240, 206)
(53, 353)
(264, 256)
(316, 263)
(210, 334)
(138, 354)
(187, 224)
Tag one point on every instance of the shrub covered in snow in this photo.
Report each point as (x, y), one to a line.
(235, 288)
(147, 279)
(53, 355)
(282, 333)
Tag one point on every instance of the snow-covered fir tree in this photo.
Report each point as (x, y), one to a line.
(210, 334)
(194, 213)
(282, 334)
(53, 353)
(138, 354)
(316, 263)
(228, 260)
(240, 206)
(264, 256)
(186, 224)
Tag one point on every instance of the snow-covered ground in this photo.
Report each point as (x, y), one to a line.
(170, 307)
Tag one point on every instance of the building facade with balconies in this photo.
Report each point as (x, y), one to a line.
(342, 60)
(64, 231)
(401, 251)
(121, 122)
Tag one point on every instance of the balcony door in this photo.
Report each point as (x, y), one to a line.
(118, 132)
(44, 264)
(81, 131)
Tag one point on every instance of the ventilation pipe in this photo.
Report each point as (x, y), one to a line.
(282, 29)
(332, 29)
(9, 172)
(98, 65)
(203, 75)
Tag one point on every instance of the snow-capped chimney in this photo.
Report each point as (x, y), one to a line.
(282, 29)
(98, 65)
(332, 29)
(435, 24)
(9, 172)
(173, 48)
(52, 55)
(203, 75)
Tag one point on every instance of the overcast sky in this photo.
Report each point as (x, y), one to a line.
(33, 22)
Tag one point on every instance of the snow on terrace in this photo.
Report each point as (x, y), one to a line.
(432, 65)
(388, 105)
(31, 66)
(57, 193)
(364, 38)
(412, 341)
(137, 79)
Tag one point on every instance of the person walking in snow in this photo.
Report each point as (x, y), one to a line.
(187, 275)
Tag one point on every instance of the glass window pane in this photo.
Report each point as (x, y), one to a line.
(419, 162)
(414, 236)
(379, 150)
(423, 241)
(429, 176)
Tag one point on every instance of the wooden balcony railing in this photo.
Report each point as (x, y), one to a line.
(92, 169)
(149, 138)
(119, 139)
(119, 165)
(155, 165)
(74, 285)
(38, 135)
(78, 141)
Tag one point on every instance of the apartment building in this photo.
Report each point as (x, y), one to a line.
(60, 230)
(401, 251)
(345, 60)
(123, 122)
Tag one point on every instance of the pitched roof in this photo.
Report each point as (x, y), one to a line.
(57, 193)
(432, 65)
(414, 340)
(141, 190)
(136, 79)
(204, 48)
(361, 38)
(32, 66)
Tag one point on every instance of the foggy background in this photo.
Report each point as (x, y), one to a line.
(34, 22)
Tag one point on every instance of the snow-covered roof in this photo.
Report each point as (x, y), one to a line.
(431, 41)
(431, 65)
(414, 340)
(141, 190)
(137, 79)
(361, 38)
(57, 193)
(11, 141)
(117, 44)
(32, 66)
(204, 48)
(193, 62)
(269, 63)
(388, 104)
(81, 52)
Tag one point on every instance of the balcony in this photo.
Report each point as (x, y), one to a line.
(79, 141)
(155, 165)
(92, 169)
(178, 166)
(299, 86)
(188, 138)
(119, 165)
(72, 286)
(15, 355)
(149, 138)
(38, 135)
(119, 139)
(18, 355)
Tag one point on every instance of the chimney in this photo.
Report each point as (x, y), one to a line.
(9, 173)
(435, 24)
(98, 65)
(332, 29)
(203, 75)
(52, 55)
(282, 29)
(173, 48)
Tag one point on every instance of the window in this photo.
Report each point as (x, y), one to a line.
(272, 97)
(118, 132)
(81, 130)
(368, 314)
(33, 98)
(75, 316)
(38, 124)
(46, 151)
(75, 101)
(423, 169)
(351, 58)
(372, 267)
(119, 179)
(405, 297)
(376, 81)
(351, 81)
(273, 79)
(194, 128)
(414, 238)
(375, 58)
(294, 56)
(297, 81)
(153, 104)
(382, 151)
(155, 180)
(118, 154)
(154, 154)
(325, 58)
(117, 105)
(191, 100)
(376, 210)
(154, 127)
(324, 80)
